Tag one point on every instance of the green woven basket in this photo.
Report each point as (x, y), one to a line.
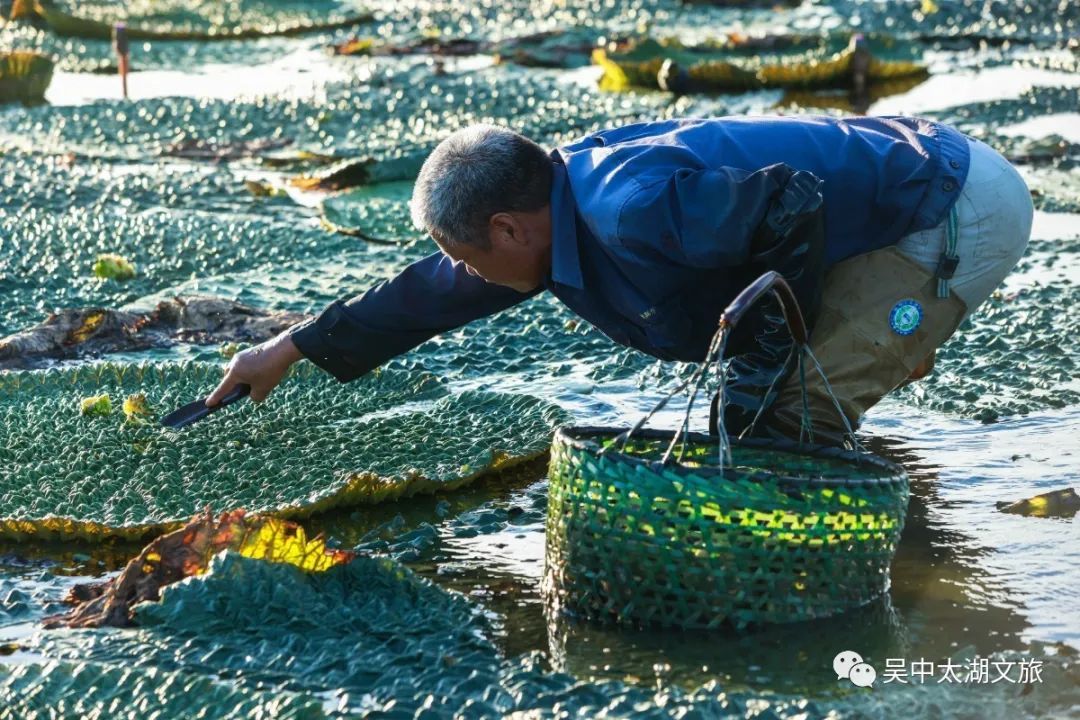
(723, 531)
(788, 533)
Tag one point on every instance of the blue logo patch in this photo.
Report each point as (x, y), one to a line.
(905, 317)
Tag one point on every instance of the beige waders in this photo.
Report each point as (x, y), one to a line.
(964, 259)
(862, 354)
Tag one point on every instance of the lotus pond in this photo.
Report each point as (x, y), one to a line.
(261, 167)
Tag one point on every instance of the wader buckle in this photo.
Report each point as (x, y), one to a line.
(946, 266)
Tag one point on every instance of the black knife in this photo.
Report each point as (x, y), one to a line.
(193, 412)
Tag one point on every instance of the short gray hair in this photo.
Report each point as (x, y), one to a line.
(473, 174)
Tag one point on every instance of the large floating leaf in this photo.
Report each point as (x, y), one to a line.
(60, 184)
(36, 691)
(563, 48)
(188, 551)
(980, 119)
(24, 76)
(1054, 190)
(1017, 353)
(47, 258)
(369, 628)
(376, 214)
(394, 120)
(965, 24)
(371, 639)
(196, 19)
(767, 62)
(315, 444)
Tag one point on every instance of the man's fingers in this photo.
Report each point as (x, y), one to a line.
(254, 366)
(223, 388)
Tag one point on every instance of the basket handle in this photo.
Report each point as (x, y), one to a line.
(769, 282)
(774, 282)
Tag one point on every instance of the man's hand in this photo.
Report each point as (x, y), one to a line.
(261, 367)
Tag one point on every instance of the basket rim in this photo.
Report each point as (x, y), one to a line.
(582, 438)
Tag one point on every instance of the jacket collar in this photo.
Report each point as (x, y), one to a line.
(565, 258)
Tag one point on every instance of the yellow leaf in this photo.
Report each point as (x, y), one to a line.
(89, 326)
(281, 541)
(135, 407)
(614, 78)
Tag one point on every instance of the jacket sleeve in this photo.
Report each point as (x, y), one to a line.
(700, 218)
(352, 337)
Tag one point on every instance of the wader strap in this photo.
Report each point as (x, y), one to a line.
(948, 261)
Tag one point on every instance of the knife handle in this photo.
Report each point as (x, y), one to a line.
(239, 392)
(195, 411)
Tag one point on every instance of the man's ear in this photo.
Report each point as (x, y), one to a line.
(504, 227)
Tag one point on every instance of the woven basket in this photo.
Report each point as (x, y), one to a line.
(724, 531)
(788, 532)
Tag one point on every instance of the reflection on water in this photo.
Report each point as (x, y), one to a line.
(1026, 564)
(849, 102)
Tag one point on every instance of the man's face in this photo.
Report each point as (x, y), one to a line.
(518, 255)
(497, 264)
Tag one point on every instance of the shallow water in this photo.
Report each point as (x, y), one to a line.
(967, 579)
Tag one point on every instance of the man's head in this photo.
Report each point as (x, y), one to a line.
(483, 195)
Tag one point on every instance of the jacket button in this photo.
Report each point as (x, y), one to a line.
(948, 186)
(954, 164)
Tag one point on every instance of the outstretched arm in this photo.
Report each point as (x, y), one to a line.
(352, 337)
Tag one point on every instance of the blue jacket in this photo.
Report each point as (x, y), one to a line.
(651, 227)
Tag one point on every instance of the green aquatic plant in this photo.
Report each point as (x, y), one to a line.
(1014, 355)
(24, 76)
(962, 24)
(378, 128)
(314, 445)
(370, 637)
(96, 405)
(378, 214)
(200, 20)
(110, 266)
(564, 48)
(135, 408)
(52, 242)
(1064, 503)
(187, 552)
(368, 633)
(727, 66)
(37, 689)
(983, 118)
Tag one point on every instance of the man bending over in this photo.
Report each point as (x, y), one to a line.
(890, 230)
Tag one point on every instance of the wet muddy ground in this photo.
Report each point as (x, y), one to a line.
(161, 179)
